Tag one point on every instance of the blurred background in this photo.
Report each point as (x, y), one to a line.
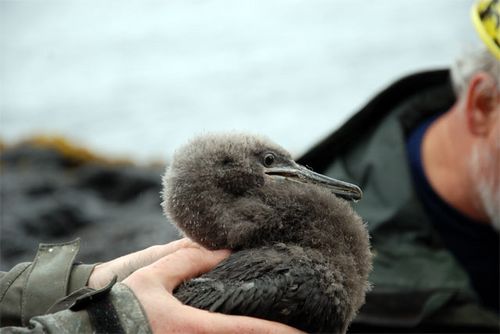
(138, 78)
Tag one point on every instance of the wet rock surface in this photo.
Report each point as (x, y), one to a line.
(47, 196)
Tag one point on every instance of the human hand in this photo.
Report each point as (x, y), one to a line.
(123, 266)
(153, 286)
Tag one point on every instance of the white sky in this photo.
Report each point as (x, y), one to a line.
(138, 78)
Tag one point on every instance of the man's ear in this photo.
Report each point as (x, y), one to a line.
(482, 98)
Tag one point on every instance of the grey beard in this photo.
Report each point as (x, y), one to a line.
(485, 187)
(491, 203)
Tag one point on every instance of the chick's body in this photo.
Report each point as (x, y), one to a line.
(301, 254)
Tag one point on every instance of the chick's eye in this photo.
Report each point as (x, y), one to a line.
(269, 159)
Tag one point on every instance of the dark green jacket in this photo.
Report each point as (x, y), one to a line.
(418, 284)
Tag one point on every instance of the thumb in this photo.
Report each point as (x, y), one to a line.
(184, 264)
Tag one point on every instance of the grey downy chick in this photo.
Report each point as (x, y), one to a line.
(301, 255)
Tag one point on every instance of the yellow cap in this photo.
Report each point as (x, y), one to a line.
(486, 18)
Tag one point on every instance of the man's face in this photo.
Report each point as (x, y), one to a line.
(485, 169)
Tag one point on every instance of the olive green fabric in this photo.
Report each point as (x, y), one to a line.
(129, 312)
(30, 289)
(417, 281)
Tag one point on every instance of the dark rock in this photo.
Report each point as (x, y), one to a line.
(47, 197)
(118, 184)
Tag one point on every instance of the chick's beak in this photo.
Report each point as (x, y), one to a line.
(300, 173)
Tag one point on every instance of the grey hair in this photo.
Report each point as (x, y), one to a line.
(471, 62)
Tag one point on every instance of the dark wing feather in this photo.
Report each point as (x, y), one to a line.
(266, 283)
